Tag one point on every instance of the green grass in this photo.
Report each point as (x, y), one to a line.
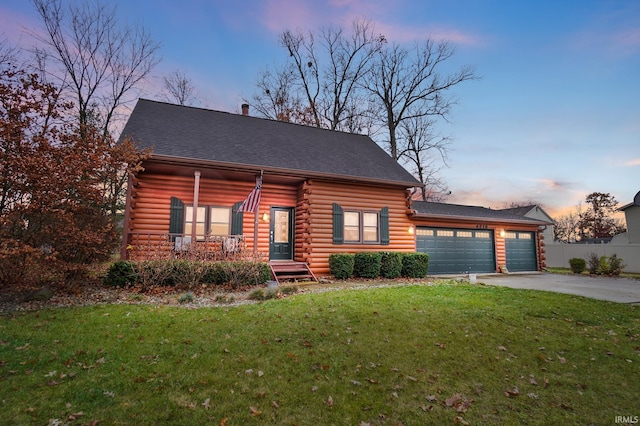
(567, 271)
(413, 355)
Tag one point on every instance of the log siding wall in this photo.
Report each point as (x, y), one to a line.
(149, 211)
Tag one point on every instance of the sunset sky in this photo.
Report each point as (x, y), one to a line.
(554, 117)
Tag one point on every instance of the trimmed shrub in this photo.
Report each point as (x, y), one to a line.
(214, 274)
(578, 265)
(391, 264)
(415, 265)
(153, 273)
(341, 265)
(246, 273)
(603, 266)
(366, 264)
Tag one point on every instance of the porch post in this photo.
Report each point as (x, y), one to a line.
(256, 216)
(194, 218)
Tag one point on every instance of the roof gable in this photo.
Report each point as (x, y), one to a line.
(220, 137)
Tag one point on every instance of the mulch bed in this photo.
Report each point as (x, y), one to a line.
(96, 293)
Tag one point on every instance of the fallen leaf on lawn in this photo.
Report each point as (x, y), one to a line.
(275, 405)
(512, 392)
(260, 373)
(432, 398)
(314, 389)
(355, 382)
(502, 348)
(224, 421)
(364, 424)
(532, 395)
(458, 402)
(413, 379)
(248, 372)
(426, 408)
(460, 421)
(74, 416)
(52, 383)
(395, 394)
(109, 393)
(329, 401)
(206, 404)
(255, 412)
(562, 359)
(533, 381)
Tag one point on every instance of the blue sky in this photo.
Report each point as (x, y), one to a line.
(554, 117)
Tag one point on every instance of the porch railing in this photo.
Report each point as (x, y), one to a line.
(163, 246)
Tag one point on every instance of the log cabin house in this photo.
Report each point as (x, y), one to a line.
(321, 192)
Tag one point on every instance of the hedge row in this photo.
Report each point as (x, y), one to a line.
(186, 273)
(374, 264)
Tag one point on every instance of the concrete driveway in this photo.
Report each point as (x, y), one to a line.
(621, 290)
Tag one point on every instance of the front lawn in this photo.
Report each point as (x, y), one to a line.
(439, 354)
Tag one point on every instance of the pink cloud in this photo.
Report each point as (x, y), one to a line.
(633, 163)
(291, 14)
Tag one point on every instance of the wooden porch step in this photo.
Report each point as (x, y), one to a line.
(290, 270)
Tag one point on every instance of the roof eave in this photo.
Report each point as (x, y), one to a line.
(184, 161)
(480, 219)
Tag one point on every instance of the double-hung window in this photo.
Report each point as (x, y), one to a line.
(361, 227)
(209, 221)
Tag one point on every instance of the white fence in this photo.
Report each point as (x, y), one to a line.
(558, 255)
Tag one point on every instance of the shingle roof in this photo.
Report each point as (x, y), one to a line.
(431, 209)
(220, 137)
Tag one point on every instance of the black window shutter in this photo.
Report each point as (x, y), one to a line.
(338, 224)
(236, 219)
(176, 217)
(384, 226)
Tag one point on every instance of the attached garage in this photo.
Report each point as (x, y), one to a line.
(520, 249)
(463, 239)
(457, 251)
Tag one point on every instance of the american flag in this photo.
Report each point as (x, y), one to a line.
(252, 202)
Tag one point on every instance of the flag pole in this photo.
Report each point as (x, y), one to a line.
(256, 217)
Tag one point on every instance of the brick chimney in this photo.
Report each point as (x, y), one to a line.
(245, 109)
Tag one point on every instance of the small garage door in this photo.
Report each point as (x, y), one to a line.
(457, 251)
(520, 249)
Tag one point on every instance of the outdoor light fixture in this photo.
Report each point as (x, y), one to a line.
(412, 230)
(502, 233)
(265, 217)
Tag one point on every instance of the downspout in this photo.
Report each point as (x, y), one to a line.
(194, 218)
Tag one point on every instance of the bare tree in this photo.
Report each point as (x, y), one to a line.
(322, 78)
(178, 88)
(407, 83)
(96, 61)
(567, 228)
(426, 154)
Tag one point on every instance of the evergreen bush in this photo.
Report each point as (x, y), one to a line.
(391, 264)
(122, 273)
(415, 265)
(578, 265)
(341, 265)
(366, 264)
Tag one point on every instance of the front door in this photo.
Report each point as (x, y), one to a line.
(281, 234)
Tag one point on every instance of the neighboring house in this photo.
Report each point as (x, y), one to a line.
(632, 218)
(322, 192)
(535, 212)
